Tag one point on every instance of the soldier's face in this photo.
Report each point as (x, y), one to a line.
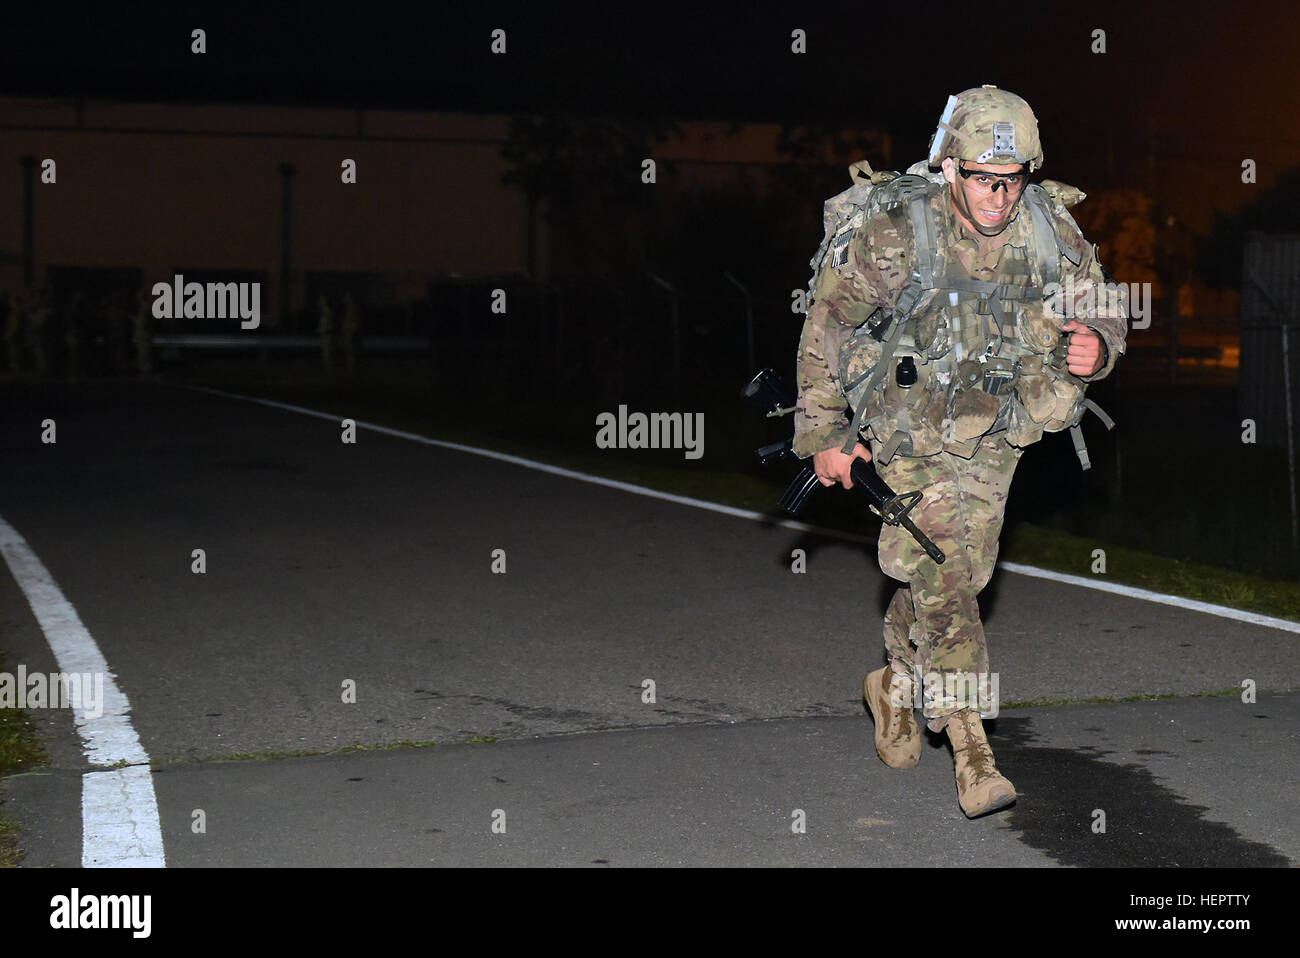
(987, 212)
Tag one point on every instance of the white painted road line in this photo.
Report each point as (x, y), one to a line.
(120, 826)
(553, 470)
(1209, 608)
(1133, 592)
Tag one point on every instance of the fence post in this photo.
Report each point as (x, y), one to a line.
(677, 332)
(1290, 430)
(1284, 316)
(749, 322)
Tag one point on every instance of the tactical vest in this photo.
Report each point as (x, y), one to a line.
(958, 358)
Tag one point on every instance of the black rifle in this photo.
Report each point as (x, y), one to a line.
(767, 391)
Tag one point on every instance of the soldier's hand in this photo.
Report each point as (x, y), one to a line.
(832, 465)
(1084, 355)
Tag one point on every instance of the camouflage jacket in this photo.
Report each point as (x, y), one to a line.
(877, 268)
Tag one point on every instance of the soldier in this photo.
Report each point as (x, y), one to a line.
(117, 330)
(350, 332)
(325, 329)
(75, 323)
(949, 325)
(142, 334)
(16, 329)
(37, 315)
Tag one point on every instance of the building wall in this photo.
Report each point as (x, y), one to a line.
(166, 187)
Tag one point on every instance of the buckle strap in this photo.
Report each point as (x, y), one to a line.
(922, 240)
(877, 374)
(1076, 433)
(888, 449)
(1100, 414)
(954, 280)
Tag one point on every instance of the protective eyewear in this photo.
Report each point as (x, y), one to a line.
(985, 182)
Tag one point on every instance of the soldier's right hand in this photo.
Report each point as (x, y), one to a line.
(833, 465)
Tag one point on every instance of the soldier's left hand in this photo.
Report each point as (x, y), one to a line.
(1084, 356)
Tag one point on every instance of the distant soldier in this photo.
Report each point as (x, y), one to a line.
(142, 334)
(325, 329)
(117, 331)
(38, 312)
(74, 332)
(351, 331)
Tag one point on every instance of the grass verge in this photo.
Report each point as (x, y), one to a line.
(20, 751)
(1112, 699)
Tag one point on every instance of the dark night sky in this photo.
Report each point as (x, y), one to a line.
(1191, 86)
(728, 60)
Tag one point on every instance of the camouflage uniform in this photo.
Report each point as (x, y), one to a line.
(351, 329)
(325, 329)
(142, 335)
(963, 463)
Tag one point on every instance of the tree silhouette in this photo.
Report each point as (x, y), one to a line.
(1218, 256)
(586, 171)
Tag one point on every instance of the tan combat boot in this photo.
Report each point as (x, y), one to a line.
(898, 739)
(981, 788)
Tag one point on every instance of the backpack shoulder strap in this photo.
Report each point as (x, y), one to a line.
(917, 196)
(1048, 245)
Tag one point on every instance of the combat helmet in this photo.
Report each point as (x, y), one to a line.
(987, 125)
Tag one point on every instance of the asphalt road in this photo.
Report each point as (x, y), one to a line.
(372, 564)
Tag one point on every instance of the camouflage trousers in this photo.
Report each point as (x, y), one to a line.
(933, 631)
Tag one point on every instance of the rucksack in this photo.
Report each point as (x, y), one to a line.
(844, 213)
(908, 195)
